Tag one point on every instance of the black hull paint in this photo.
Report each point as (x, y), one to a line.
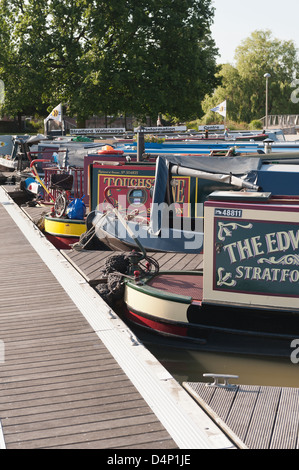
(214, 337)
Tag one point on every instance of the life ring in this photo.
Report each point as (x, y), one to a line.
(108, 149)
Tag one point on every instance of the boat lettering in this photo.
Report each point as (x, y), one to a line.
(267, 274)
(265, 262)
(178, 191)
(127, 181)
(229, 213)
(255, 246)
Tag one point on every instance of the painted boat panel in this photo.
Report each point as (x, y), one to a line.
(254, 254)
(64, 227)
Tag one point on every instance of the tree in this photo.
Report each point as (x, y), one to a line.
(231, 89)
(129, 56)
(243, 85)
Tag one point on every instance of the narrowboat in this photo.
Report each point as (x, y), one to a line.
(63, 232)
(163, 205)
(245, 300)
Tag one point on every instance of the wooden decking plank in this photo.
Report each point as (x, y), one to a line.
(90, 258)
(47, 406)
(194, 263)
(36, 212)
(222, 403)
(65, 319)
(146, 445)
(85, 257)
(184, 263)
(25, 357)
(202, 390)
(59, 385)
(60, 365)
(240, 414)
(89, 418)
(155, 439)
(83, 260)
(19, 363)
(52, 374)
(263, 418)
(63, 341)
(114, 379)
(259, 417)
(285, 434)
(91, 264)
(62, 432)
(61, 414)
(171, 261)
(112, 440)
(73, 329)
(71, 397)
(23, 350)
(61, 381)
(59, 435)
(69, 393)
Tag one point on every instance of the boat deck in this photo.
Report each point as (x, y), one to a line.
(189, 285)
(73, 375)
(254, 417)
(91, 263)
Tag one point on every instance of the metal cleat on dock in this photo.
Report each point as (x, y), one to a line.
(225, 378)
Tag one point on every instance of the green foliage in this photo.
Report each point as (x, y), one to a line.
(154, 139)
(256, 124)
(107, 56)
(244, 85)
(35, 126)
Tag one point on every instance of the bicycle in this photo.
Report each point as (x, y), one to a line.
(62, 183)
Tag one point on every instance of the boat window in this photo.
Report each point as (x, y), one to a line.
(137, 197)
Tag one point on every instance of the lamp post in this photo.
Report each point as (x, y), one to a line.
(267, 76)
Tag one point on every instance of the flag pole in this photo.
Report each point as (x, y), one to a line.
(62, 122)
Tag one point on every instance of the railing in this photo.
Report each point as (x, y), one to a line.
(48, 167)
(78, 184)
(281, 120)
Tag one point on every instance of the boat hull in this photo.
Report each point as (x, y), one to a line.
(7, 165)
(115, 236)
(182, 320)
(63, 233)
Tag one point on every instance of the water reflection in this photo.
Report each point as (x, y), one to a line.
(190, 366)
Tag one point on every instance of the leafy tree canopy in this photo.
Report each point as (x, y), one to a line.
(244, 85)
(141, 57)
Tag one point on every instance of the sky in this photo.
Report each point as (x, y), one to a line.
(235, 20)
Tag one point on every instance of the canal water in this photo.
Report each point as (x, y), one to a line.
(189, 366)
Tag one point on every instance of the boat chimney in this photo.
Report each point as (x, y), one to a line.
(268, 145)
(140, 143)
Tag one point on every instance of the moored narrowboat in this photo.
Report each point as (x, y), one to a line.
(246, 299)
(63, 232)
